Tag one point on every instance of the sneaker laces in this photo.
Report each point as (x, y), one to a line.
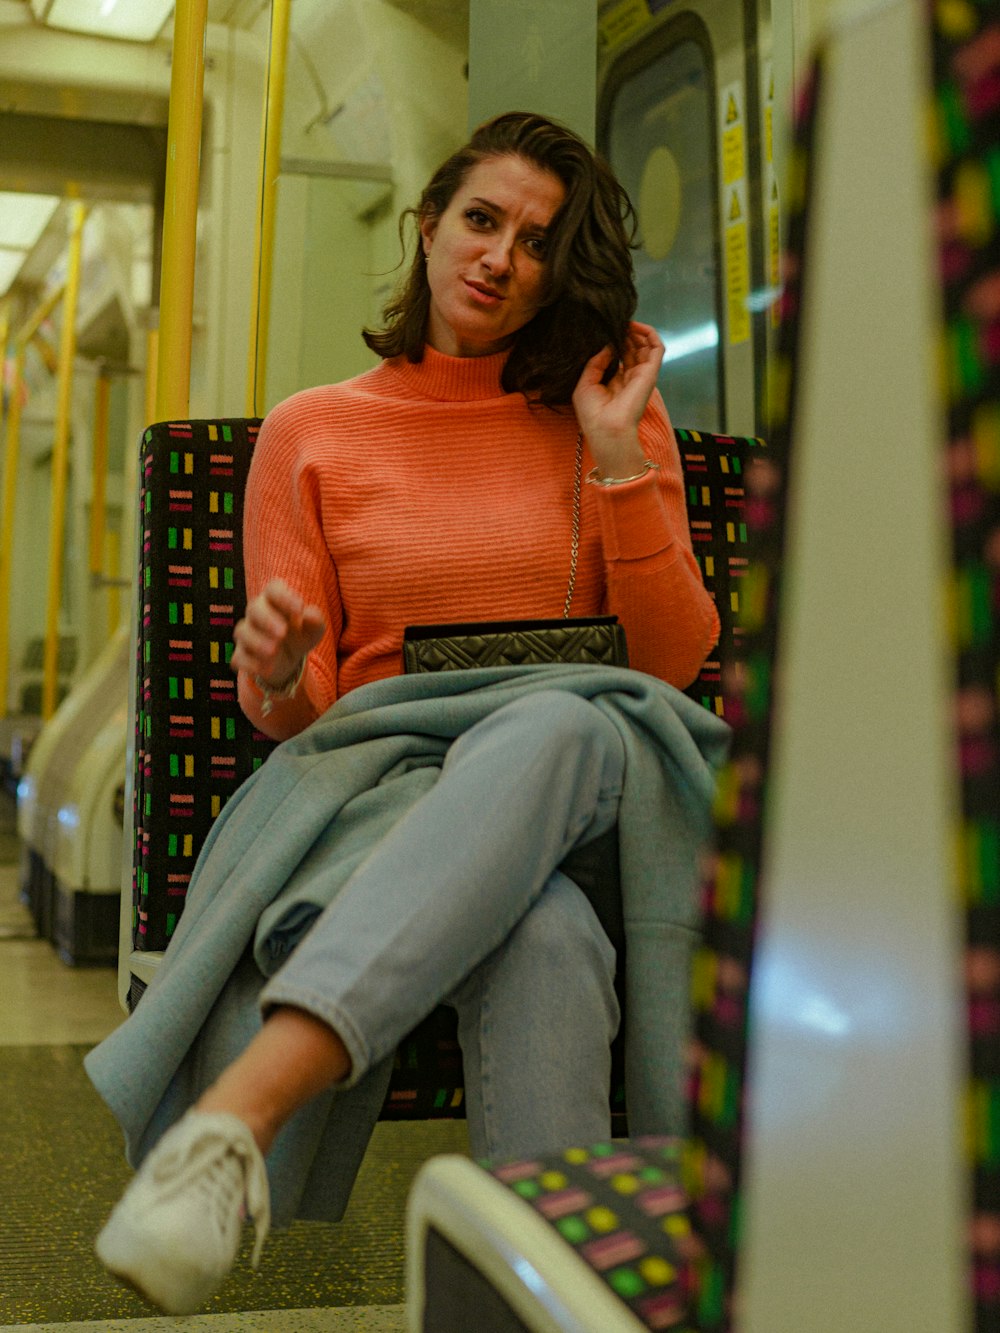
(225, 1166)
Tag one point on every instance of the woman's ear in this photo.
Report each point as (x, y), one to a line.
(428, 226)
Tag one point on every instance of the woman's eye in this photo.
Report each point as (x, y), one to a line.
(478, 218)
(536, 244)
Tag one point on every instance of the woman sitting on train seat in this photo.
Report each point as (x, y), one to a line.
(405, 840)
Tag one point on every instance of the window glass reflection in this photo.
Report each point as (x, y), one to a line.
(659, 142)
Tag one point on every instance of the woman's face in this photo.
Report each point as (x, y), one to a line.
(486, 253)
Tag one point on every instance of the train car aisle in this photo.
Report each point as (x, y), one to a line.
(62, 1167)
(364, 1319)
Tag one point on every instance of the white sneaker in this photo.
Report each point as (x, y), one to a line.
(175, 1232)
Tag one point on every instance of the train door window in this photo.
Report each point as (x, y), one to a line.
(658, 136)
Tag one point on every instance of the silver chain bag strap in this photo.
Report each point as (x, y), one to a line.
(598, 640)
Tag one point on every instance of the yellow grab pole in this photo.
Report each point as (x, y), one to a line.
(270, 166)
(180, 209)
(4, 335)
(8, 487)
(99, 471)
(35, 321)
(12, 461)
(113, 559)
(103, 541)
(12, 457)
(60, 466)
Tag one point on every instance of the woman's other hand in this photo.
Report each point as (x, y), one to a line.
(275, 635)
(609, 414)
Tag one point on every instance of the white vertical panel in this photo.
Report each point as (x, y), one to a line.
(854, 1188)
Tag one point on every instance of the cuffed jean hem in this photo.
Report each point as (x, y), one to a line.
(274, 996)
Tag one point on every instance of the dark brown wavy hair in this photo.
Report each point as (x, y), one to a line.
(589, 288)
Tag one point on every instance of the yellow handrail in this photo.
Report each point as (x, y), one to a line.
(180, 209)
(4, 335)
(60, 467)
(270, 167)
(99, 471)
(113, 564)
(104, 541)
(12, 461)
(8, 487)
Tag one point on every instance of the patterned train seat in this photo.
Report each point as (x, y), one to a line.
(714, 469)
(194, 746)
(598, 1234)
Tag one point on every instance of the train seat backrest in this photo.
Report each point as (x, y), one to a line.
(714, 467)
(194, 746)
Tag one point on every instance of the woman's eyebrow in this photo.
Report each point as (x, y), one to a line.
(501, 211)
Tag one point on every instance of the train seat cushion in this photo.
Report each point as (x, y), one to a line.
(598, 1233)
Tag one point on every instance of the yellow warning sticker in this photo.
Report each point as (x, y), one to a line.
(733, 139)
(620, 22)
(732, 155)
(737, 259)
(734, 213)
(768, 113)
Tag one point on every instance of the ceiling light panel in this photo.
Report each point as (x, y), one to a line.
(137, 20)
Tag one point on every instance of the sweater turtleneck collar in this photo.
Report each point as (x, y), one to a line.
(452, 378)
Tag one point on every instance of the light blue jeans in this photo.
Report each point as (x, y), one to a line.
(461, 903)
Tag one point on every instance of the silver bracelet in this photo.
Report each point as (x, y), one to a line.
(285, 691)
(594, 478)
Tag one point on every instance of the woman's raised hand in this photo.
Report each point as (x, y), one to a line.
(609, 414)
(277, 632)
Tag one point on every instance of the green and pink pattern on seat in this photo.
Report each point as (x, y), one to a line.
(965, 116)
(621, 1209)
(193, 745)
(715, 471)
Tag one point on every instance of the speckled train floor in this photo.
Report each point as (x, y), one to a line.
(61, 1168)
(364, 1318)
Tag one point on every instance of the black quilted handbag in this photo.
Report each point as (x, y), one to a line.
(598, 639)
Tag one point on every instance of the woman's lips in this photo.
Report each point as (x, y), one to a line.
(483, 295)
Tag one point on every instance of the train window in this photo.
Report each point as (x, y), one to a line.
(658, 137)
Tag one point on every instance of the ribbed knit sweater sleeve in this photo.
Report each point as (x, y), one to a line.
(284, 538)
(654, 585)
(423, 494)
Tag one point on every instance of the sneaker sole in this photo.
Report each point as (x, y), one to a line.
(173, 1289)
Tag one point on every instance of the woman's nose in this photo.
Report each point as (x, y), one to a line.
(497, 257)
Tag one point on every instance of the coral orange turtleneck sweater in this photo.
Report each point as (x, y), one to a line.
(422, 493)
